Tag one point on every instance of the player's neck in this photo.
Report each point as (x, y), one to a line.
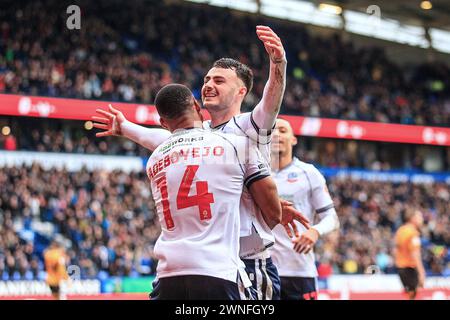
(412, 225)
(185, 123)
(281, 161)
(219, 117)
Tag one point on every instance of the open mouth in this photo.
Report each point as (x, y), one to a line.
(209, 94)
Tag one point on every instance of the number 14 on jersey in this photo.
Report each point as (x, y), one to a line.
(202, 199)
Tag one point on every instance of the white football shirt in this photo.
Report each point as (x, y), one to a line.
(303, 185)
(256, 236)
(197, 178)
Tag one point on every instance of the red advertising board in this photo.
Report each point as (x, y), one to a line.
(33, 106)
(364, 130)
(44, 107)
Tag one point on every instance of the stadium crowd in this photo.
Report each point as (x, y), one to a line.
(128, 57)
(107, 217)
(370, 212)
(111, 224)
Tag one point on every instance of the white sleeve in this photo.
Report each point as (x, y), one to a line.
(329, 221)
(149, 138)
(247, 125)
(252, 162)
(323, 204)
(263, 121)
(267, 110)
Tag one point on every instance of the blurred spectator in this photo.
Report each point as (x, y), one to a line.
(324, 269)
(10, 143)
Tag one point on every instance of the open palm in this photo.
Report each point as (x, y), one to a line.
(110, 122)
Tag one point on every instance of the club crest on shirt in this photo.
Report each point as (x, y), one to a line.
(292, 177)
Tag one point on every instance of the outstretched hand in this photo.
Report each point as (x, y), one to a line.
(272, 44)
(110, 122)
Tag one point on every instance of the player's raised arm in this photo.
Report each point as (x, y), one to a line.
(114, 123)
(266, 111)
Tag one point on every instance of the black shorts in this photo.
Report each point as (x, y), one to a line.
(409, 278)
(297, 288)
(54, 289)
(194, 287)
(264, 277)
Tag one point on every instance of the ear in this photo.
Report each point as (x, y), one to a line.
(242, 91)
(294, 140)
(198, 109)
(197, 105)
(163, 123)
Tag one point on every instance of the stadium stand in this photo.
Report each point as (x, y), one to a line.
(110, 222)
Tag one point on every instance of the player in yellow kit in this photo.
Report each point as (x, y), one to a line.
(55, 266)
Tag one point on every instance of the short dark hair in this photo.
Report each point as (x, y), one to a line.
(242, 70)
(173, 100)
(409, 214)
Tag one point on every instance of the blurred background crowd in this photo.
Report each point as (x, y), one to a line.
(107, 217)
(109, 220)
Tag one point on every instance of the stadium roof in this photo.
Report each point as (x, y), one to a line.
(401, 21)
(405, 11)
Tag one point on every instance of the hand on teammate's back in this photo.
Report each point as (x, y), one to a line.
(272, 44)
(288, 215)
(110, 122)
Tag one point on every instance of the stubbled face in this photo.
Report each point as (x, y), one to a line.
(221, 89)
(283, 138)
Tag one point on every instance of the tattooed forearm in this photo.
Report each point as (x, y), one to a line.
(279, 75)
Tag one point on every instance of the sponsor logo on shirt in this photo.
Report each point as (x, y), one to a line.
(292, 177)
